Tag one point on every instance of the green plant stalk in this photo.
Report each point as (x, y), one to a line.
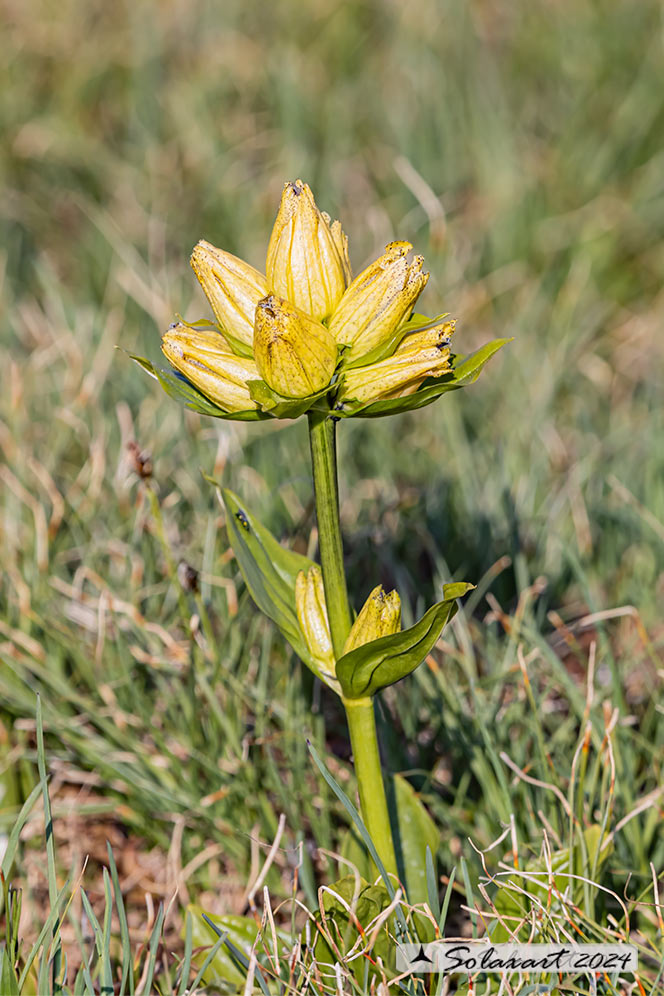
(373, 803)
(359, 712)
(322, 440)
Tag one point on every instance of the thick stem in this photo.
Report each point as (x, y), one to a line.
(322, 439)
(373, 803)
(360, 712)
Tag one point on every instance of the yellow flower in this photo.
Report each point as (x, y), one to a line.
(295, 354)
(305, 329)
(379, 616)
(307, 258)
(313, 620)
(206, 359)
(378, 300)
(420, 355)
(232, 287)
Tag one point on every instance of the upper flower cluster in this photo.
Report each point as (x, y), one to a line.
(305, 330)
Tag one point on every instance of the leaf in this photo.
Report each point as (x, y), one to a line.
(8, 980)
(269, 570)
(413, 831)
(178, 387)
(466, 371)
(382, 662)
(366, 902)
(241, 931)
(277, 405)
(514, 905)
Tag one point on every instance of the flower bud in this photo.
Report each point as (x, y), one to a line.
(307, 258)
(422, 339)
(378, 300)
(206, 359)
(232, 287)
(312, 617)
(380, 616)
(420, 355)
(294, 354)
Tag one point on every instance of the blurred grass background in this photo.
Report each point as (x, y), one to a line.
(519, 147)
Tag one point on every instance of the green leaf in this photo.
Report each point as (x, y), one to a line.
(22, 818)
(413, 831)
(466, 371)
(269, 570)
(180, 389)
(339, 929)
(512, 898)
(277, 405)
(382, 662)
(416, 323)
(241, 931)
(8, 980)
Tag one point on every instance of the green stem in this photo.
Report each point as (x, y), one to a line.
(322, 439)
(359, 712)
(373, 803)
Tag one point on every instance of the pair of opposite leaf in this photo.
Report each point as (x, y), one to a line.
(288, 588)
(305, 328)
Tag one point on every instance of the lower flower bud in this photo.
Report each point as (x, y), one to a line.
(312, 617)
(380, 616)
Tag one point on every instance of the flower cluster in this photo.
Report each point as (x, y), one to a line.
(305, 333)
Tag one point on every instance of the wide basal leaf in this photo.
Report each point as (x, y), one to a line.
(413, 830)
(340, 930)
(466, 370)
(547, 880)
(240, 931)
(178, 387)
(269, 570)
(382, 662)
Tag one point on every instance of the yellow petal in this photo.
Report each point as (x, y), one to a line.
(206, 359)
(313, 620)
(307, 258)
(378, 300)
(232, 287)
(341, 242)
(415, 342)
(294, 354)
(380, 616)
(399, 375)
